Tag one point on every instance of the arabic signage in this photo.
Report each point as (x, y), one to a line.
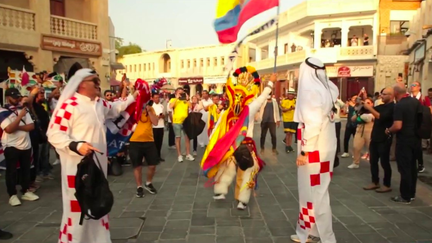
(350, 71)
(193, 80)
(71, 46)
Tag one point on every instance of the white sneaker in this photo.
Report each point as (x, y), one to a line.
(194, 153)
(14, 201)
(241, 206)
(219, 197)
(345, 155)
(56, 162)
(29, 196)
(310, 239)
(190, 157)
(180, 159)
(353, 166)
(172, 147)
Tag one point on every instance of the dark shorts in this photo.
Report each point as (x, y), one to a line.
(143, 150)
(290, 127)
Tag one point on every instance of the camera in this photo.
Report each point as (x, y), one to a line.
(182, 96)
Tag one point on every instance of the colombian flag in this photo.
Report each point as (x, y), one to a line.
(232, 14)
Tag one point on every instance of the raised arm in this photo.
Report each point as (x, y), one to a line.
(255, 105)
(115, 108)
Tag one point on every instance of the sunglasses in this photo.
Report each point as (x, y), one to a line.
(95, 80)
(108, 95)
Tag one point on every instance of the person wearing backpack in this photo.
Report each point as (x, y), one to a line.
(76, 130)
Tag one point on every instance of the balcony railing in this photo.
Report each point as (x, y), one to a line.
(17, 18)
(73, 28)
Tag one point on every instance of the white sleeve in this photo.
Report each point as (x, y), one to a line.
(255, 105)
(367, 117)
(117, 107)
(28, 119)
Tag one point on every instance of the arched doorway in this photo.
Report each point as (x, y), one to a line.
(65, 63)
(165, 63)
(15, 61)
(186, 89)
(199, 89)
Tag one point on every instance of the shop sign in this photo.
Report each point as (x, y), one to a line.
(71, 46)
(194, 80)
(215, 80)
(350, 71)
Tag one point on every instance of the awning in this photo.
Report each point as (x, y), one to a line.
(117, 66)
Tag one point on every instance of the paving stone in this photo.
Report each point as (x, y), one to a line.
(180, 215)
(202, 230)
(201, 239)
(171, 234)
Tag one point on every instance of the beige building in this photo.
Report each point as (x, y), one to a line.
(343, 34)
(51, 35)
(419, 46)
(195, 68)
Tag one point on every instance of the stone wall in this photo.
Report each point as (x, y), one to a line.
(387, 70)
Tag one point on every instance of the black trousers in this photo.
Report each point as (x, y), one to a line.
(338, 130)
(158, 134)
(419, 154)
(349, 131)
(35, 170)
(195, 144)
(171, 135)
(265, 126)
(380, 151)
(407, 166)
(12, 156)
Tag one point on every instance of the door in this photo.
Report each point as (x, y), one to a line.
(57, 7)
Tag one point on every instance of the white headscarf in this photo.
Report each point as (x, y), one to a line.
(72, 86)
(315, 96)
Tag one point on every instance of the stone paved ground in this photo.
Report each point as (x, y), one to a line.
(184, 211)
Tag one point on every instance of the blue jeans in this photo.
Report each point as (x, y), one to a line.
(44, 154)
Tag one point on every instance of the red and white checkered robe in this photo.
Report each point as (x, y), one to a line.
(80, 119)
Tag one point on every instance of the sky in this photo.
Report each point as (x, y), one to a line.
(187, 23)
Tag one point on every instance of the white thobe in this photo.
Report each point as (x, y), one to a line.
(227, 171)
(203, 138)
(81, 119)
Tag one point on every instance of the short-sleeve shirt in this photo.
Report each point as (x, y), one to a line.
(385, 121)
(144, 129)
(288, 116)
(159, 109)
(406, 110)
(180, 111)
(19, 139)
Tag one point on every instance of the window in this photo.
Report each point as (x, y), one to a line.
(201, 62)
(125, 66)
(135, 68)
(208, 61)
(195, 62)
(149, 67)
(222, 61)
(139, 67)
(182, 63)
(188, 63)
(399, 27)
(215, 62)
(285, 49)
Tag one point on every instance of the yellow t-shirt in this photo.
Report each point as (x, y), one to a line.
(288, 116)
(180, 111)
(144, 129)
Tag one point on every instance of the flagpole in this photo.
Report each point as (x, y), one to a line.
(277, 37)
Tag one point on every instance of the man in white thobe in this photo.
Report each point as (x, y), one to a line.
(203, 138)
(77, 128)
(317, 148)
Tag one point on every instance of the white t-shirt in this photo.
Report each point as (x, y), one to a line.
(53, 103)
(169, 109)
(159, 108)
(18, 139)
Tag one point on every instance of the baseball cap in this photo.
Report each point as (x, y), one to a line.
(13, 92)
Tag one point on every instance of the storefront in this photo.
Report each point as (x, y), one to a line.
(216, 84)
(192, 85)
(351, 79)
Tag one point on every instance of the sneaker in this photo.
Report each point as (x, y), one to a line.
(345, 155)
(275, 152)
(14, 201)
(56, 162)
(39, 179)
(283, 141)
(290, 149)
(310, 239)
(180, 159)
(412, 199)
(190, 157)
(194, 153)
(353, 166)
(34, 187)
(48, 177)
(140, 192)
(421, 168)
(161, 160)
(399, 199)
(219, 197)
(150, 188)
(29, 196)
(383, 189)
(241, 206)
(4, 235)
(371, 186)
(365, 156)
(172, 147)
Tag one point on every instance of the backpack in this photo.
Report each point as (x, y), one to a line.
(92, 189)
(424, 122)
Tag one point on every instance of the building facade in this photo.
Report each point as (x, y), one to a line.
(51, 35)
(419, 50)
(195, 68)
